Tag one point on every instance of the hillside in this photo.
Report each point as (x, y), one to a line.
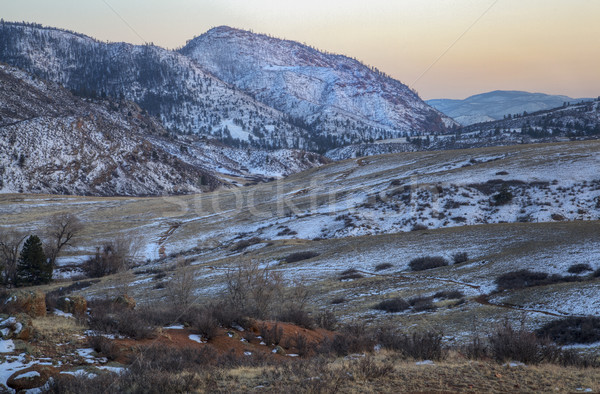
(54, 142)
(497, 104)
(341, 240)
(346, 102)
(164, 83)
(332, 94)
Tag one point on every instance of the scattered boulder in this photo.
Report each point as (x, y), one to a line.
(31, 302)
(75, 304)
(279, 350)
(31, 378)
(16, 327)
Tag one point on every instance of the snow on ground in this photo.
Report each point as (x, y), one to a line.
(6, 346)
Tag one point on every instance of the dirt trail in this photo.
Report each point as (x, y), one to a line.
(165, 236)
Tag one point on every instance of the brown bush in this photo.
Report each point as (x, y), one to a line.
(298, 317)
(104, 347)
(427, 262)
(75, 304)
(392, 305)
(32, 303)
(271, 335)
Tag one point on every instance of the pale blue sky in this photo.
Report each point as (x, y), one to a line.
(549, 46)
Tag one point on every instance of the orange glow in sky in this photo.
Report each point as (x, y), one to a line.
(442, 48)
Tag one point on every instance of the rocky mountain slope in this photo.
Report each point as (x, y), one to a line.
(164, 83)
(331, 94)
(341, 102)
(54, 142)
(497, 104)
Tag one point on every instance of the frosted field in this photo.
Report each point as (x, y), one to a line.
(360, 213)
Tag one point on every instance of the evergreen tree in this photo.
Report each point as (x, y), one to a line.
(33, 268)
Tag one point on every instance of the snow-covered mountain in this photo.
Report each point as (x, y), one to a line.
(331, 100)
(52, 141)
(332, 94)
(164, 83)
(497, 104)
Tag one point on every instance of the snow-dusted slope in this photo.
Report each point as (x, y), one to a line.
(495, 105)
(332, 93)
(164, 83)
(54, 142)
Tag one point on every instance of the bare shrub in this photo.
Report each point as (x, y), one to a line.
(508, 343)
(243, 244)
(460, 257)
(111, 258)
(424, 346)
(449, 294)
(104, 346)
(299, 256)
(367, 368)
(421, 304)
(392, 305)
(109, 317)
(350, 274)
(352, 338)
(427, 262)
(253, 289)
(181, 286)
(525, 278)
(383, 266)
(572, 330)
(579, 268)
(272, 335)
(476, 348)
(298, 317)
(327, 320)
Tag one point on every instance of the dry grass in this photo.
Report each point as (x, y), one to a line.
(57, 329)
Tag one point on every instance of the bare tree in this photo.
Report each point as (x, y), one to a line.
(252, 289)
(10, 245)
(60, 231)
(182, 285)
(112, 257)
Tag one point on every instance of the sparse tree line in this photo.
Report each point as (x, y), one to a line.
(25, 260)
(29, 259)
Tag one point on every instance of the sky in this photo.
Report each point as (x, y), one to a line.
(441, 48)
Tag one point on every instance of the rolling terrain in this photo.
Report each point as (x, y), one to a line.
(359, 214)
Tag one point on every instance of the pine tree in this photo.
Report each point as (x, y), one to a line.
(33, 267)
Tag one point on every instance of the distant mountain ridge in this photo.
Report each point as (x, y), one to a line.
(188, 96)
(328, 92)
(495, 105)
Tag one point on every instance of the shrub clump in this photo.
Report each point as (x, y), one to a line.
(393, 305)
(572, 330)
(351, 273)
(449, 294)
(460, 257)
(503, 197)
(383, 266)
(299, 256)
(525, 278)
(427, 262)
(579, 268)
(421, 304)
